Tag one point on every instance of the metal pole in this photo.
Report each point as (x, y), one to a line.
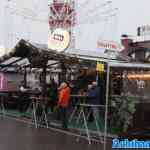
(106, 104)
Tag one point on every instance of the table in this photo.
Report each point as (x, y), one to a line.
(80, 99)
(80, 108)
(82, 115)
(36, 103)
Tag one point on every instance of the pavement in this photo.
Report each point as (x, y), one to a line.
(17, 135)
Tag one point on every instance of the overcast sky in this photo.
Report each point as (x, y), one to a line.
(13, 26)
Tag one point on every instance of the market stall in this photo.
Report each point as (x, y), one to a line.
(80, 68)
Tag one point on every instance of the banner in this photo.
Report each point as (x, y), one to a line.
(109, 45)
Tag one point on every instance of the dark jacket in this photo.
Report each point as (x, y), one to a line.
(94, 95)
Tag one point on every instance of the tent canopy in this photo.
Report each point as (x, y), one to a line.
(27, 54)
(33, 55)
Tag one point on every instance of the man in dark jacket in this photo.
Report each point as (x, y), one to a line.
(94, 95)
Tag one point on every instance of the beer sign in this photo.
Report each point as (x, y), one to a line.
(59, 40)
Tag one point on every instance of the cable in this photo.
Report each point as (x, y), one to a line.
(102, 14)
(101, 36)
(98, 19)
(94, 10)
(83, 5)
(24, 11)
(29, 17)
(97, 8)
(13, 6)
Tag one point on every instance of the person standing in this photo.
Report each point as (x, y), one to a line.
(24, 99)
(63, 103)
(94, 95)
(89, 90)
(53, 94)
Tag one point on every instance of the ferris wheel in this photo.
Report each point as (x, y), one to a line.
(67, 14)
(70, 14)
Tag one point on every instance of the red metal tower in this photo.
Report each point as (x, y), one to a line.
(63, 15)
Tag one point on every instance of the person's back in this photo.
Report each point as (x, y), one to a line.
(94, 94)
(24, 101)
(52, 92)
(64, 97)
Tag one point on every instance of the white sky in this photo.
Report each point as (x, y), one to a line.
(131, 14)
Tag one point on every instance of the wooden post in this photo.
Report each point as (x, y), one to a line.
(44, 81)
(63, 72)
(25, 76)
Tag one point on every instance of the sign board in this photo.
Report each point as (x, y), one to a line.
(143, 30)
(3, 82)
(109, 45)
(59, 40)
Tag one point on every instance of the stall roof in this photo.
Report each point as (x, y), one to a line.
(83, 53)
(28, 48)
(97, 54)
(9, 61)
(37, 54)
(25, 51)
(128, 65)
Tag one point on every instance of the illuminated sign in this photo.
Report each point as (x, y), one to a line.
(59, 40)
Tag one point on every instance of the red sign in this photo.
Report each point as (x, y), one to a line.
(109, 45)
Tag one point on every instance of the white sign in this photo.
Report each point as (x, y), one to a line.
(59, 40)
(109, 45)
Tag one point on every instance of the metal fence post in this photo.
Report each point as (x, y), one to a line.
(106, 104)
